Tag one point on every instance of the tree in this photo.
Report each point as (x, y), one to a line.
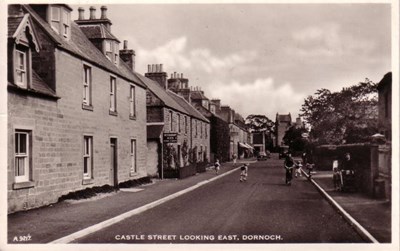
(259, 123)
(294, 138)
(348, 116)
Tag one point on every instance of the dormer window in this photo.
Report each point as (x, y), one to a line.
(109, 52)
(24, 40)
(60, 20)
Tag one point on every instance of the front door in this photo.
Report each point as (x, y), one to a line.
(113, 162)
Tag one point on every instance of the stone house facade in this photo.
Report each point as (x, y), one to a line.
(76, 117)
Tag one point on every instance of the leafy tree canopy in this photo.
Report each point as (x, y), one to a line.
(259, 123)
(348, 116)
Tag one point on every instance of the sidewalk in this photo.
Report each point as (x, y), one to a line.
(49, 223)
(373, 214)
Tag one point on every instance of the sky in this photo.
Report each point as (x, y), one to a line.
(258, 58)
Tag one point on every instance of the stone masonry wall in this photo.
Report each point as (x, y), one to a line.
(58, 128)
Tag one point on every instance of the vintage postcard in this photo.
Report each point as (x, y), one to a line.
(152, 125)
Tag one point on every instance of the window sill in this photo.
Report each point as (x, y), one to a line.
(87, 107)
(114, 113)
(87, 181)
(133, 174)
(23, 185)
(132, 117)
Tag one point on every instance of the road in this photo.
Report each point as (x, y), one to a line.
(261, 210)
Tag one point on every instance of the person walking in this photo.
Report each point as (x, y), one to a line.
(244, 172)
(217, 166)
(298, 169)
(234, 157)
(289, 164)
(310, 164)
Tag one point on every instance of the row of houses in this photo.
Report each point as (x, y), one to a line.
(80, 115)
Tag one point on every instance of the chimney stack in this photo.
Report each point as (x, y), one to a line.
(81, 13)
(128, 56)
(103, 12)
(155, 73)
(92, 12)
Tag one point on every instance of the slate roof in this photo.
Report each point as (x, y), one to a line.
(197, 95)
(13, 23)
(80, 46)
(37, 86)
(97, 31)
(188, 107)
(205, 112)
(161, 93)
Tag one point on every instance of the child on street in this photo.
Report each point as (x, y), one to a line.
(298, 169)
(244, 171)
(217, 165)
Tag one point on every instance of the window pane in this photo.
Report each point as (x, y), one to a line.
(20, 166)
(21, 60)
(55, 14)
(65, 17)
(108, 46)
(85, 164)
(22, 143)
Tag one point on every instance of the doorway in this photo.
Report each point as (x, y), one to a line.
(113, 162)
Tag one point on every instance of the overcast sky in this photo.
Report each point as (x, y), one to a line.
(258, 58)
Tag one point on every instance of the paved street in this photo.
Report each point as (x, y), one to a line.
(261, 210)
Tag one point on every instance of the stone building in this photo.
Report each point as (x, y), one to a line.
(186, 150)
(76, 114)
(239, 134)
(383, 180)
(282, 123)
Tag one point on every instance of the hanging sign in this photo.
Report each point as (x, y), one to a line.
(171, 137)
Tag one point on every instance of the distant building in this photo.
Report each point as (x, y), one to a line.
(385, 106)
(171, 116)
(282, 123)
(259, 142)
(384, 177)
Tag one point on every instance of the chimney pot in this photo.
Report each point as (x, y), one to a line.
(153, 68)
(157, 68)
(81, 13)
(172, 75)
(103, 12)
(92, 12)
(161, 68)
(125, 44)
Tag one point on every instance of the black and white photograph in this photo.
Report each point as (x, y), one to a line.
(199, 125)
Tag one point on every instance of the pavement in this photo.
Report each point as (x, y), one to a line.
(374, 215)
(51, 223)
